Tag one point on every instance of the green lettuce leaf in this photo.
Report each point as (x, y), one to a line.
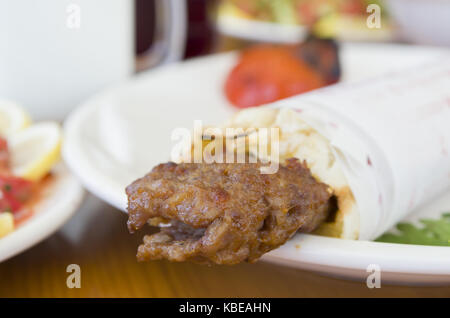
(432, 232)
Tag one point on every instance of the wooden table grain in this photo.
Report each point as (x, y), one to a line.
(97, 240)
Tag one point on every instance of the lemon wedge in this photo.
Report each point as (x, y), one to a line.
(12, 118)
(35, 150)
(6, 223)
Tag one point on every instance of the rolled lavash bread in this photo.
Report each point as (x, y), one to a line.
(299, 140)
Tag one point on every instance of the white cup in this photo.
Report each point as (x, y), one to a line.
(55, 53)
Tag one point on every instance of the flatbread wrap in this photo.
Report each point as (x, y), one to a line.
(299, 140)
(353, 160)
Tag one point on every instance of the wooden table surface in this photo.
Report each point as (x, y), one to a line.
(97, 240)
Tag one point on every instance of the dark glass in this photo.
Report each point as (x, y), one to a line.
(144, 24)
(200, 31)
(201, 34)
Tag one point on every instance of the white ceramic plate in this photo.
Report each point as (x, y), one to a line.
(59, 201)
(260, 30)
(120, 134)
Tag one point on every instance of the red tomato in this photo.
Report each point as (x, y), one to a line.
(14, 192)
(268, 73)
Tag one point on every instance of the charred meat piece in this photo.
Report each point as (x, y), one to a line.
(224, 213)
(323, 56)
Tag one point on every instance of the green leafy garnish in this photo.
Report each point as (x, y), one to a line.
(283, 11)
(433, 232)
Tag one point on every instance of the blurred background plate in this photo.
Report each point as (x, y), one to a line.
(120, 134)
(60, 200)
(270, 32)
(259, 30)
(288, 21)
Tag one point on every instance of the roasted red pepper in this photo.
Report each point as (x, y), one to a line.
(267, 73)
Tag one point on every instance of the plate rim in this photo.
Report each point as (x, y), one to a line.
(41, 226)
(73, 158)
